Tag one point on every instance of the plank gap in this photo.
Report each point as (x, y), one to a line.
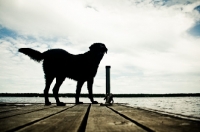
(30, 123)
(83, 125)
(135, 122)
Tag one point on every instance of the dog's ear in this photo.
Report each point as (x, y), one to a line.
(98, 47)
(93, 47)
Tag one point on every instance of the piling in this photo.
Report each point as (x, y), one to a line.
(107, 79)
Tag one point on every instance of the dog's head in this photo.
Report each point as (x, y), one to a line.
(98, 48)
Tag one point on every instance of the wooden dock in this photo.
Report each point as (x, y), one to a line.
(89, 118)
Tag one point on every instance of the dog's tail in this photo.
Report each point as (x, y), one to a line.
(33, 54)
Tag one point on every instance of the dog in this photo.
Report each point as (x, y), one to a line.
(59, 64)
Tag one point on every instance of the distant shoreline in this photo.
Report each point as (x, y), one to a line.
(100, 95)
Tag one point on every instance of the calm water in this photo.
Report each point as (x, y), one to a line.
(189, 106)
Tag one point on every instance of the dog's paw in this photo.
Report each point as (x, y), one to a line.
(94, 102)
(79, 102)
(61, 104)
(47, 103)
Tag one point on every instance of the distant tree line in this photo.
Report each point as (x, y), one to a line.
(100, 95)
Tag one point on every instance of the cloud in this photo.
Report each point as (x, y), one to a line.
(152, 47)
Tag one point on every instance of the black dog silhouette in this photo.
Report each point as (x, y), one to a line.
(59, 64)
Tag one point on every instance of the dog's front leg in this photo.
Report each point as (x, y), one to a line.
(89, 85)
(78, 91)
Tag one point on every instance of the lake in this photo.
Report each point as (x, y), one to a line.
(188, 106)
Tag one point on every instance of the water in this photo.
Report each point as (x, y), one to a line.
(188, 106)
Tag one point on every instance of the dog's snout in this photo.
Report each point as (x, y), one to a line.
(105, 49)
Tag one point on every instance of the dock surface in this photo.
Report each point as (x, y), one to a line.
(89, 118)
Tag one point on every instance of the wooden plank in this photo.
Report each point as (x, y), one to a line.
(18, 110)
(158, 122)
(67, 121)
(103, 119)
(7, 108)
(4, 107)
(15, 122)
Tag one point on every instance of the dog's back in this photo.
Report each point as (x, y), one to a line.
(58, 62)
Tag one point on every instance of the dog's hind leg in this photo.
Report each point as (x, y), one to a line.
(59, 81)
(78, 91)
(48, 80)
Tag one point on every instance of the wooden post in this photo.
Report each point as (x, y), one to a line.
(107, 79)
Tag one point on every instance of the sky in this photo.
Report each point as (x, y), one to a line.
(153, 45)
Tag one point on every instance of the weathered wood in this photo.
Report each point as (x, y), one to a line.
(18, 110)
(7, 108)
(103, 119)
(18, 121)
(66, 121)
(158, 122)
